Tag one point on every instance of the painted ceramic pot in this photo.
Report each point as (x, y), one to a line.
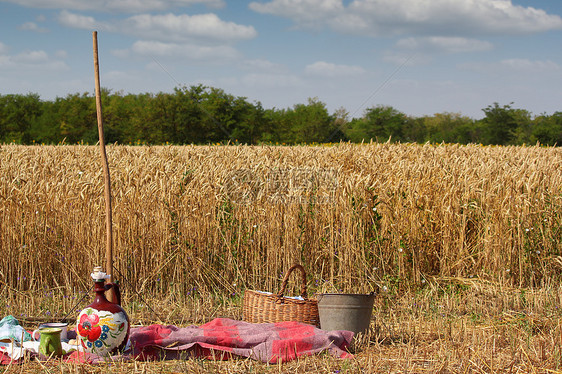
(103, 327)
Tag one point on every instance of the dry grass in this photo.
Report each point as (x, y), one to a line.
(480, 329)
(471, 235)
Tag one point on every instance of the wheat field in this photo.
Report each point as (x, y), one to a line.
(462, 243)
(224, 218)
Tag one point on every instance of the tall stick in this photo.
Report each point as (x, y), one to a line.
(107, 189)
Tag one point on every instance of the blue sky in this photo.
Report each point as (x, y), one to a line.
(419, 56)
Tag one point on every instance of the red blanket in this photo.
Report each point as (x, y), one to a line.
(224, 338)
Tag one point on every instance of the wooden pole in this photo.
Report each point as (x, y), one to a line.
(105, 165)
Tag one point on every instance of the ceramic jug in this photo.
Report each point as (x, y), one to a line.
(103, 327)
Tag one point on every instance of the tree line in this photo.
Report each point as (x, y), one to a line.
(202, 115)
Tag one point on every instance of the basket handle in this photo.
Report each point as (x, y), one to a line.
(304, 294)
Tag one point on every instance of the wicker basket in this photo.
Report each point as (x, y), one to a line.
(261, 307)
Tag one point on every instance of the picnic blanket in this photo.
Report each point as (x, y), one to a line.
(223, 338)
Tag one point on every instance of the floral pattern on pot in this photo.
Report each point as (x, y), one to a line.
(99, 331)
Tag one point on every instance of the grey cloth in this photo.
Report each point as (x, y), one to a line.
(10, 329)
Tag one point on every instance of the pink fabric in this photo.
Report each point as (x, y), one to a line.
(222, 339)
(6, 360)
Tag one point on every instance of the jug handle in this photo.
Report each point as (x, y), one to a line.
(116, 291)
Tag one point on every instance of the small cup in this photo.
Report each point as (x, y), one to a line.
(50, 344)
(58, 325)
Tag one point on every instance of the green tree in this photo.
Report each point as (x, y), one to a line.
(17, 115)
(250, 123)
(303, 123)
(505, 125)
(141, 118)
(189, 115)
(161, 123)
(547, 130)
(380, 123)
(311, 122)
(414, 130)
(205, 114)
(220, 114)
(451, 128)
(118, 111)
(77, 118)
(340, 124)
(276, 129)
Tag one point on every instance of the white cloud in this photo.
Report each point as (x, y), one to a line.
(78, 21)
(183, 27)
(406, 59)
(31, 57)
(263, 66)
(516, 65)
(217, 54)
(327, 69)
(444, 44)
(128, 6)
(61, 54)
(271, 80)
(304, 12)
(196, 38)
(119, 75)
(530, 65)
(425, 17)
(35, 60)
(32, 26)
(121, 53)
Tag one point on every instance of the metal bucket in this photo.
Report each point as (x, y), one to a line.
(351, 312)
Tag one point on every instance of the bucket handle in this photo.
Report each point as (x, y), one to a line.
(304, 293)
